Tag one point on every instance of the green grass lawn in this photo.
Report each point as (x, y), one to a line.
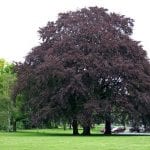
(57, 139)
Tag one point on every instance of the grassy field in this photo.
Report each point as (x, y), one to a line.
(57, 139)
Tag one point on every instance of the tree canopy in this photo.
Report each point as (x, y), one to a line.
(86, 64)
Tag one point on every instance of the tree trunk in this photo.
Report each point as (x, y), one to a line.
(144, 121)
(86, 130)
(64, 126)
(14, 125)
(70, 124)
(70, 127)
(75, 127)
(108, 125)
(9, 122)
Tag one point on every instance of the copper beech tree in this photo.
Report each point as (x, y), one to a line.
(86, 64)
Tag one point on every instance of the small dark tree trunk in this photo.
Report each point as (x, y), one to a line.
(70, 127)
(70, 124)
(64, 126)
(144, 121)
(86, 130)
(14, 125)
(108, 124)
(13, 119)
(75, 127)
(107, 127)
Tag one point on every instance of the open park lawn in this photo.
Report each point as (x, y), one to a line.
(57, 139)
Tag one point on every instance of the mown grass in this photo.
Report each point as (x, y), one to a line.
(58, 139)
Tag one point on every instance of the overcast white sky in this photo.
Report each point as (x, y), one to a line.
(20, 20)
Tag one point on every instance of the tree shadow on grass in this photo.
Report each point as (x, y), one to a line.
(31, 133)
(23, 133)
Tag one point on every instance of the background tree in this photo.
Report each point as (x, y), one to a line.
(7, 109)
(86, 64)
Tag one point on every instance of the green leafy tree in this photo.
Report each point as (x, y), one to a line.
(7, 80)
